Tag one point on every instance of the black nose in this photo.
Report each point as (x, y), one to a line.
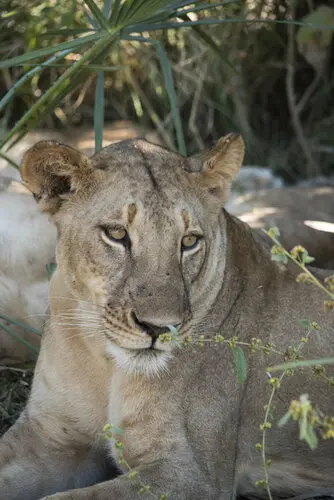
(153, 330)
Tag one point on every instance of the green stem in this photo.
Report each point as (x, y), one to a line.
(99, 111)
(17, 337)
(9, 160)
(302, 266)
(273, 392)
(264, 459)
(168, 77)
(20, 324)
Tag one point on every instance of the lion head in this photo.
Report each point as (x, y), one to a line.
(141, 238)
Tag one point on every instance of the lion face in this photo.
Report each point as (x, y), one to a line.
(139, 234)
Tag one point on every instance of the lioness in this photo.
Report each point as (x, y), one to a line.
(144, 246)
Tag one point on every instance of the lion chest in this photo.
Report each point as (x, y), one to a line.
(136, 409)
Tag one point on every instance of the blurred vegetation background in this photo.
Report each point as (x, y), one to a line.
(255, 73)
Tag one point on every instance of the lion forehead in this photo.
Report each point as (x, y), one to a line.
(145, 164)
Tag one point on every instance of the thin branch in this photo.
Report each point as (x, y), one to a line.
(308, 92)
(193, 114)
(290, 74)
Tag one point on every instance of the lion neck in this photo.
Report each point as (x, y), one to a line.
(248, 253)
(249, 274)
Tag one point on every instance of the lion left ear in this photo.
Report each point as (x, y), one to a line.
(217, 167)
(53, 171)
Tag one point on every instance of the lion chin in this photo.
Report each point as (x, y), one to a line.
(147, 361)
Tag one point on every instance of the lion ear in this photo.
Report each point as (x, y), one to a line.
(217, 167)
(53, 171)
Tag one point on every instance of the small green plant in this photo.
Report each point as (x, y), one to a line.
(301, 411)
(309, 420)
(275, 382)
(299, 255)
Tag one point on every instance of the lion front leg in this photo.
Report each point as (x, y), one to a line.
(34, 464)
(175, 480)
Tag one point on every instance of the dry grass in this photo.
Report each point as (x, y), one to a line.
(14, 391)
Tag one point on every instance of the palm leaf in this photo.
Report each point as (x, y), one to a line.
(115, 8)
(179, 5)
(38, 54)
(140, 27)
(37, 109)
(91, 67)
(107, 8)
(124, 10)
(10, 94)
(200, 8)
(99, 112)
(168, 77)
(66, 32)
(98, 14)
(145, 9)
(48, 108)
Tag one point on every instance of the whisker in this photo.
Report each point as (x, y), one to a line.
(68, 313)
(72, 321)
(76, 319)
(79, 316)
(73, 316)
(34, 315)
(84, 335)
(80, 308)
(76, 314)
(74, 325)
(79, 301)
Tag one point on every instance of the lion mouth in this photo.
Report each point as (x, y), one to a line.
(138, 347)
(148, 361)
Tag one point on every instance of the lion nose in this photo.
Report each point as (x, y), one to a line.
(151, 329)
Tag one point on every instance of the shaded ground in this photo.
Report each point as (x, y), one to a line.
(14, 390)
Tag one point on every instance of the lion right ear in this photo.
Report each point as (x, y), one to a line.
(53, 171)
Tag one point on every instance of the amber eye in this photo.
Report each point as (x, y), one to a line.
(117, 234)
(190, 241)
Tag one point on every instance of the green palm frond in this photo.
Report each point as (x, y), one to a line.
(119, 20)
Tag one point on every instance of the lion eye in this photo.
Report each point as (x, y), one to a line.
(118, 234)
(190, 241)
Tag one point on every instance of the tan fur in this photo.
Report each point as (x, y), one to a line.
(189, 428)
